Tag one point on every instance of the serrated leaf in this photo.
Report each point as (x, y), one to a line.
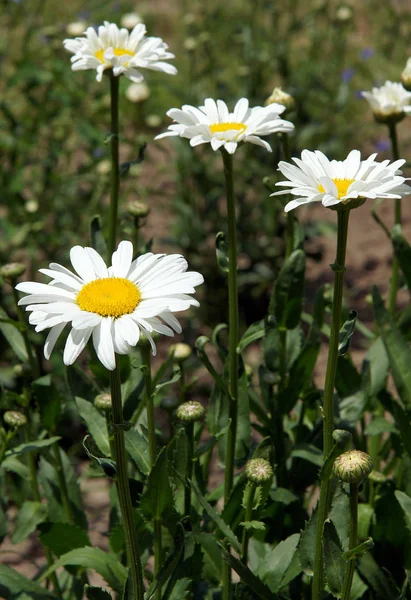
(96, 593)
(346, 333)
(30, 515)
(253, 525)
(107, 565)
(380, 425)
(158, 496)
(169, 565)
(96, 424)
(61, 538)
(212, 550)
(307, 544)
(274, 569)
(13, 336)
(254, 583)
(287, 297)
(34, 446)
(333, 561)
(13, 585)
(137, 447)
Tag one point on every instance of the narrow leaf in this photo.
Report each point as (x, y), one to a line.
(13, 585)
(96, 424)
(248, 577)
(30, 515)
(61, 538)
(33, 446)
(13, 336)
(346, 333)
(333, 560)
(286, 301)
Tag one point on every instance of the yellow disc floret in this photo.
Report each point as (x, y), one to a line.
(223, 127)
(117, 51)
(342, 186)
(110, 297)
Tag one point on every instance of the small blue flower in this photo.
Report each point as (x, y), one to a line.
(367, 53)
(98, 153)
(347, 74)
(382, 145)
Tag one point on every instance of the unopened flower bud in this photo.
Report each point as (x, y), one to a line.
(190, 411)
(406, 76)
(130, 20)
(258, 470)
(103, 401)
(280, 97)
(190, 44)
(153, 121)
(12, 271)
(31, 206)
(14, 419)
(76, 28)
(137, 92)
(103, 167)
(180, 352)
(137, 209)
(344, 13)
(353, 466)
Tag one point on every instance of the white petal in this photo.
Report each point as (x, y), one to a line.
(121, 259)
(103, 343)
(52, 339)
(84, 319)
(75, 344)
(82, 264)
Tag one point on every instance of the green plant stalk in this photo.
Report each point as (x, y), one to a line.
(115, 166)
(37, 497)
(328, 403)
(290, 219)
(182, 383)
(123, 490)
(397, 220)
(63, 484)
(233, 341)
(189, 427)
(352, 542)
(148, 401)
(34, 366)
(247, 517)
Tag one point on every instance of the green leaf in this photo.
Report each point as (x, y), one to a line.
(405, 503)
(108, 465)
(402, 251)
(158, 496)
(358, 550)
(30, 515)
(379, 365)
(61, 538)
(175, 377)
(308, 452)
(211, 442)
(376, 578)
(212, 551)
(255, 332)
(137, 447)
(49, 401)
(403, 420)
(287, 297)
(13, 336)
(253, 525)
(96, 593)
(365, 516)
(107, 565)
(380, 425)
(346, 333)
(13, 585)
(221, 249)
(33, 446)
(333, 561)
(281, 564)
(96, 424)
(169, 566)
(254, 583)
(307, 544)
(222, 526)
(16, 466)
(399, 354)
(97, 238)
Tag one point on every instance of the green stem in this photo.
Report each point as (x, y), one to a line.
(233, 341)
(34, 367)
(63, 484)
(115, 166)
(352, 542)
(328, 404)
(247, 517)
(123, 489)
(151, 427)
(182, 383)
(290, 219)
(190, 453)
(397, 220)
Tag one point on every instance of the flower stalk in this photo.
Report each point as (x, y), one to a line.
(123, 490)
(148, 401)
(247, 517)
(115, 166)
(328, 403)
(392, 128)
(352, 541)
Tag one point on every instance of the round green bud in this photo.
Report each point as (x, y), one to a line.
(258, 470)
(180, 352)
(137, 208)
(353, 466)
(103, 401)
(12, 271)
(190, 411)
(14, 419)
(280, 97)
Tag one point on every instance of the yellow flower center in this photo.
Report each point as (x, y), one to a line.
(342, 186)
(117, 51)
(223, 127)
(110, 297)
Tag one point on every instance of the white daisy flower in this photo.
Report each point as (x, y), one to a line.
(114, 305)
(389, 100)
(317, 179)
(118, 49)
(214, 123)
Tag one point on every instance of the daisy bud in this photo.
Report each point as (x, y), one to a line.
(344, 13)
(190, 44)
(14, 419)
(353, 466)
(137, 92)
(180, 352)
(104, 167)
(130, 20)
(12, 271)
(137, 209)
(406, 76)
(153, 121)
(103, 401)
(258, 470)
(76, 28)
(31, 206)
(191, 411)
(280, 97)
